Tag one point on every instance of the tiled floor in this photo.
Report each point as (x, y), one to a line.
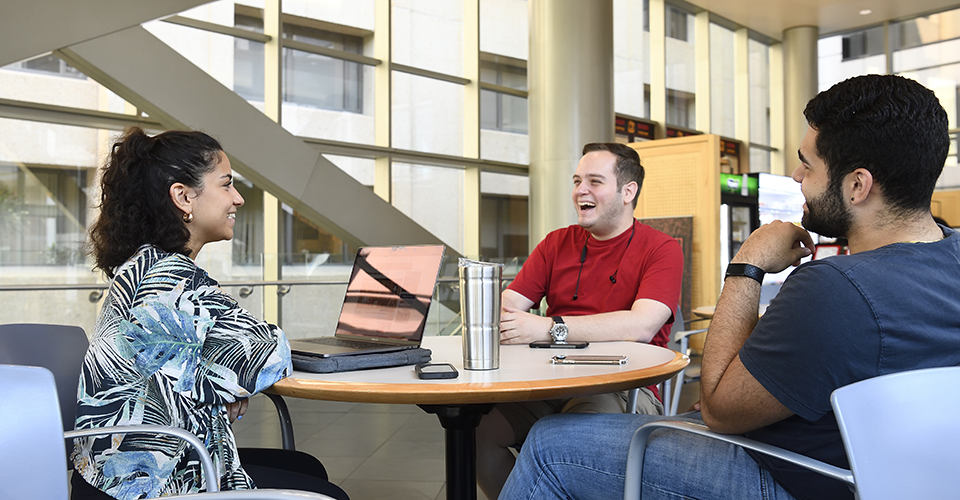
(372, 451)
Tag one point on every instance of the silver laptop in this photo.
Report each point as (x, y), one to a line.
(386, 304)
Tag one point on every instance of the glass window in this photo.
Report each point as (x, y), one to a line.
(681, 108)
(49, 80)
(722, 81)
(759, 160)
(308, 79)
(46, 174)
(247, 242)
(499, 111)
(321, 81)
(504, 28)
(924, 30)
(43, 214)
(925, 56)
(681, 70)
(248, 60)
(427, 114)
(428, 35)
(759, 65)
(631, 59)
(361, 169)
(49, 64)
(864, 43)
(433, 197)
(833, 68)
(305, 243)
(679, 24)
(354, 13)
(504, 232)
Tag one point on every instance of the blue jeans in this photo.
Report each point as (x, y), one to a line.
(584, 456)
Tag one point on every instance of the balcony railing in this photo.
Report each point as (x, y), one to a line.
(307, 308)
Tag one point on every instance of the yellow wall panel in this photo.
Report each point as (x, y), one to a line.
(683, 179)
(946, 205)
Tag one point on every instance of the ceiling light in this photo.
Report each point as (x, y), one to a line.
(866, 12)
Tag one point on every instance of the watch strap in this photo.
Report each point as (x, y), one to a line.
(557, 319)
(747, 270)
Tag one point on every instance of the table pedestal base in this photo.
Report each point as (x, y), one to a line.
(460, 423)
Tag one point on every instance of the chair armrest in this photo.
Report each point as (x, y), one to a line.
(286, 423)
(688, 322)
(634, 470)
(256, 495)
(211, 476)
(679, 336)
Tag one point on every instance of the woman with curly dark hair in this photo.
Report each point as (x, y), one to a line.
(170, 347)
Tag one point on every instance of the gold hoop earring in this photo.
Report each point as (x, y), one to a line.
(188, 218)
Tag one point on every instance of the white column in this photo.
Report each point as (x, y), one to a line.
(799, 84)
(570, 76)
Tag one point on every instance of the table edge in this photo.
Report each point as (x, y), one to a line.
(476, 392)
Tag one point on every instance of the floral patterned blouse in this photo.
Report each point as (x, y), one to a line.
(170, 348)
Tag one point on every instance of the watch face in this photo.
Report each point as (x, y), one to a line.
(559, 332)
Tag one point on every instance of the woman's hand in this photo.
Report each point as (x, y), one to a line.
(236, 409)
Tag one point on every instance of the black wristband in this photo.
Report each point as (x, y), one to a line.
(747, 270)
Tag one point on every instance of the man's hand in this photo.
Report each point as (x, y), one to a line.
(775, 246)
(236, 409)
(521, 327)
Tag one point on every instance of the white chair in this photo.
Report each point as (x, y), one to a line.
(61, 348)
(670, 388)
(896, 447)
(32, 443)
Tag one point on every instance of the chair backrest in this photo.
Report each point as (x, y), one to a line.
(676, 328)
(900, 433)
(31, 436)
(58, 348)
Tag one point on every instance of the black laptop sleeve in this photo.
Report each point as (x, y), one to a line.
(333, 364)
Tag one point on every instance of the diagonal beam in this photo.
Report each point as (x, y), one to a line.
(34, 27)
(149, 74)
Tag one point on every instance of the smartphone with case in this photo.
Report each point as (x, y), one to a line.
(586, 359)
(549, 344)
(436, 370)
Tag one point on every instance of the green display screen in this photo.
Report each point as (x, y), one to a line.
(733, 184)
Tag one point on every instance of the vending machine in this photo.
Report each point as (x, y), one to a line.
(750, 200)
(739, 212)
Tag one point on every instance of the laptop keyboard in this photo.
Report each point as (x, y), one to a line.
(350, 344)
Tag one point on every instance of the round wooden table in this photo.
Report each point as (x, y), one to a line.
(524, 374)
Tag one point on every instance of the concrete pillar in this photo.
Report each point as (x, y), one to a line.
(799, 86)
(570, 78)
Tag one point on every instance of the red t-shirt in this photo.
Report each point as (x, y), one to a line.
(650, 267)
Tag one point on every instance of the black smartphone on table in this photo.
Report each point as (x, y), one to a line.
(549, 344)
(436, 370)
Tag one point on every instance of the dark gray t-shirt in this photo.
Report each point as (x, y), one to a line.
(844, 319)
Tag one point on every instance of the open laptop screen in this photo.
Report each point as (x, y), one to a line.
(389, 293)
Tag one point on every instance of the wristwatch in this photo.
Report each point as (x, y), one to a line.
(747, 270)
(559, 330)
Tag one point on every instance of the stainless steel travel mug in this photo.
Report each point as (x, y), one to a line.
(480, 315)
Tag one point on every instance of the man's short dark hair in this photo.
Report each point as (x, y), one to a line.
(628, 167)
(890, 125)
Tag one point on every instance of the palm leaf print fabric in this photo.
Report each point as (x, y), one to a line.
(170, 348)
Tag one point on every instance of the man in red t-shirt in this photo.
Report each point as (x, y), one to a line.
(606, 278)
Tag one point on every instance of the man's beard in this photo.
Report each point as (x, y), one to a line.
(826, 214)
